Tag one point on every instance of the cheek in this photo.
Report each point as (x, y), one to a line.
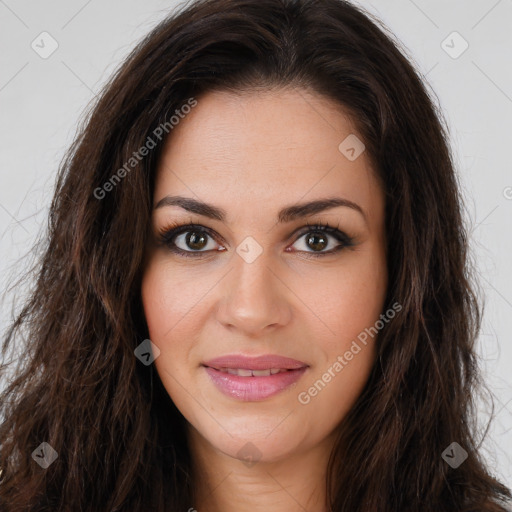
(348, 349)
(171, 307)
(163, 309)
(168, 298)
(349, 303)
(349, 299)
(164, 305)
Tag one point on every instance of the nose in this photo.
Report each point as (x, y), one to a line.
(253, 298)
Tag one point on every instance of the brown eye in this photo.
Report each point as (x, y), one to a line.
(319, 237)
(195, 240)
(317, 242)
(189, 240)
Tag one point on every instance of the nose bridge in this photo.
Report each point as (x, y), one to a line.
(254, 297)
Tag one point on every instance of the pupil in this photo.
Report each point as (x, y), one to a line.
(318, 245)
(196, 239)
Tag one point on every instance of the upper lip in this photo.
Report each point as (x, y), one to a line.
(263, 362)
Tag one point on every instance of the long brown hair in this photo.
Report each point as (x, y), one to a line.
(120, 440)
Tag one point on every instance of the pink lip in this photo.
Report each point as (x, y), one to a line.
(254, 388)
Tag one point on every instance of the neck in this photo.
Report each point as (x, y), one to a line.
(227, 484)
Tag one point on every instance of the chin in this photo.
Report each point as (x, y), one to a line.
(252, 438)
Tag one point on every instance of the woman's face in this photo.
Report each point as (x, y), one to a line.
(259, 282)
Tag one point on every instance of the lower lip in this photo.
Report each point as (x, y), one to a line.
(252, 389)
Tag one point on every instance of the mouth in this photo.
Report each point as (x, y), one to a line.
(254, 378)
(243, 372)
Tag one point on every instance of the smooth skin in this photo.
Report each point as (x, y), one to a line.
(253, 154)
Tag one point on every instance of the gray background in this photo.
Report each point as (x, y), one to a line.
(42, 100)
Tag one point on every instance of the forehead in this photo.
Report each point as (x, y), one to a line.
(264, 149)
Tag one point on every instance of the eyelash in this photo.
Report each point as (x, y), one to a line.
(167, 234)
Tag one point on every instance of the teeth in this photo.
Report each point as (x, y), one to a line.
(261, 373)
(242, 372)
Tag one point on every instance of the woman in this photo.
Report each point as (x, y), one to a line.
(189, 348)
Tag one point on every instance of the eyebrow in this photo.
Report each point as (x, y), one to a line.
(287, 214)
